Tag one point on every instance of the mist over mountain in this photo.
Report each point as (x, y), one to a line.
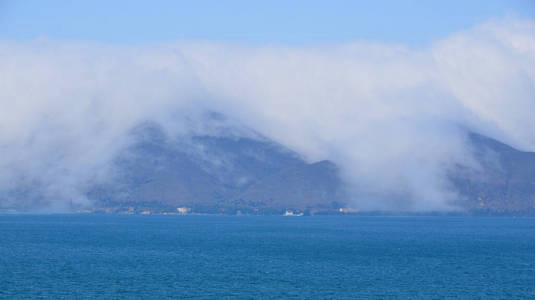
(254, 175)
(216, 174)
(503, 182)
(226, 169)
(366, 125)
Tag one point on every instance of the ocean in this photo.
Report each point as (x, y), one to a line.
(265, 257)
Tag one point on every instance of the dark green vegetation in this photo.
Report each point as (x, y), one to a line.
(240, 175)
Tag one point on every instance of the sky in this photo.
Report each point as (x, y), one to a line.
(386, 90)
(413, 22)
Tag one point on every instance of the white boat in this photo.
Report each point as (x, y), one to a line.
(290, 213)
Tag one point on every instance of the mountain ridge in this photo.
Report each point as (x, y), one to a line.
(251, 174)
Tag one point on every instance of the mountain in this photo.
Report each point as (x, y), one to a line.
(253, 175)
(504, 183)
(231, 172)
(210, 174)
(310, 187)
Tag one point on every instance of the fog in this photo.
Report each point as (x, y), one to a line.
(394, 118)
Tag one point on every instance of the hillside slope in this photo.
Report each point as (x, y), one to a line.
(504, 183)
(230, 174)
(216, 175)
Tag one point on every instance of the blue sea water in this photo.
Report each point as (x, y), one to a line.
(215, 257)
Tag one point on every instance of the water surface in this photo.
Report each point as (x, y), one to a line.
(115, 256)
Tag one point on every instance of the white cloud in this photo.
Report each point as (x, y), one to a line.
(388, 114)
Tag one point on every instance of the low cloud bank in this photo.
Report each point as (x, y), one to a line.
(393, 118)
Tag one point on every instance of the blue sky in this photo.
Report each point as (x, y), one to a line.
(279, 22)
